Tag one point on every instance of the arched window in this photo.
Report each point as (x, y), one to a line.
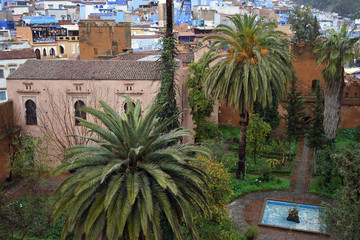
(52, 52)
(44, 52)
(31, 118)
(126, 107)
(78, 113)
(38, 54)
(62, 50)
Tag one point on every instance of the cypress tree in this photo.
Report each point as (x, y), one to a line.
(294, 118)
(315, 134)
(270, 114)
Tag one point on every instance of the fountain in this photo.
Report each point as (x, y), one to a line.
(300, 217)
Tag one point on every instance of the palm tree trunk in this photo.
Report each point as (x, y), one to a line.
(332, 96)
(244, 121)
(169, 18)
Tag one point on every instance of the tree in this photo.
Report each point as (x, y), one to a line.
(250, 61)
(344, 216)
(200, 103)
(167, 89)
(294, 118)
(256, 134)
(334, 50)
(304, 24)
(129, 177)
(270, 114)
(315, 134)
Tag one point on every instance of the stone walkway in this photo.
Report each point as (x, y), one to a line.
(246, 211)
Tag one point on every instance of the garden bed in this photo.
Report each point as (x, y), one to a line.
(254, 184)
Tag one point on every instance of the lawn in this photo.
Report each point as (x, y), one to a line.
(318, 187)
(253, 184)
(260, 162)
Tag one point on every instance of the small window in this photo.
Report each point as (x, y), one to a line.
(31, 118)
(3, 95)
(355, 95)
(314, 84)
(2, 73)
(95, 51)
(78, 113)
(12, 69)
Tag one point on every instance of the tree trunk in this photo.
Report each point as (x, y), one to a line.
(332, 97)
(244, 121)
(169, 18)
(315, 161)
(290, 150)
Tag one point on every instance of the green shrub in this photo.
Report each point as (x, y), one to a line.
(357, 134)
(251, 232)
(265, 174)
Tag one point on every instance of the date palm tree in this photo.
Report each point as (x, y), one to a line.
(252, 59)
(128, 177)
(334, 50)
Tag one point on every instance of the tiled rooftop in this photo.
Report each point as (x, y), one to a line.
(17, 54)
(86, 70)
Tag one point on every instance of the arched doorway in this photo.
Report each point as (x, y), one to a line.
(31, 118)
(126, 106)
(44, 52)
(62, 49)
(38, 54)
(78, 113)
(52, 52)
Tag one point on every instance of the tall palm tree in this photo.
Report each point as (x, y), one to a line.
(251, 60)
(334, 50)
(121, 184)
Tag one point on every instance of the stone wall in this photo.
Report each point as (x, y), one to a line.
(103, 37)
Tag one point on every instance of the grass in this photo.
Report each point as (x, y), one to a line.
(317, 186)
(252, 184)
(260, 162)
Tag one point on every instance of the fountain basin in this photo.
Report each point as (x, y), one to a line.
(275, 213)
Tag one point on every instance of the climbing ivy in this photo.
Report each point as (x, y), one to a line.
(167, 90)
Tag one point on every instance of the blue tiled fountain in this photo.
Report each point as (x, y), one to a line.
(275, 214)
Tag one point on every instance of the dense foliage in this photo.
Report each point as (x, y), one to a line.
(345, 8)
(167, 93)
(130, 176)
(344, 217)
(295, 113)
(270, 114)
(200, 103)
(256, 134)
(315, 134)
(304, 25)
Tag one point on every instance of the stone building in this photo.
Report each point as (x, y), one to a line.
(103, 38)
(47, 94)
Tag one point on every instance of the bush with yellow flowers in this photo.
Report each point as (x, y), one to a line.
(218, 186)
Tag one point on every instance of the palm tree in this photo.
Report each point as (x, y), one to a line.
(122, 183)
(251, 60)
(334, 50)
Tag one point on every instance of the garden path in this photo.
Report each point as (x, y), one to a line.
(246, 210)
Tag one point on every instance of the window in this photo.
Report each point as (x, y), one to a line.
(78, 113)
(126, 107)
(2, 73)
(3, 96)
(313, 85)
(37, 53)
(12, 69)
(31, 118)
(52, 52)
(51, 6)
